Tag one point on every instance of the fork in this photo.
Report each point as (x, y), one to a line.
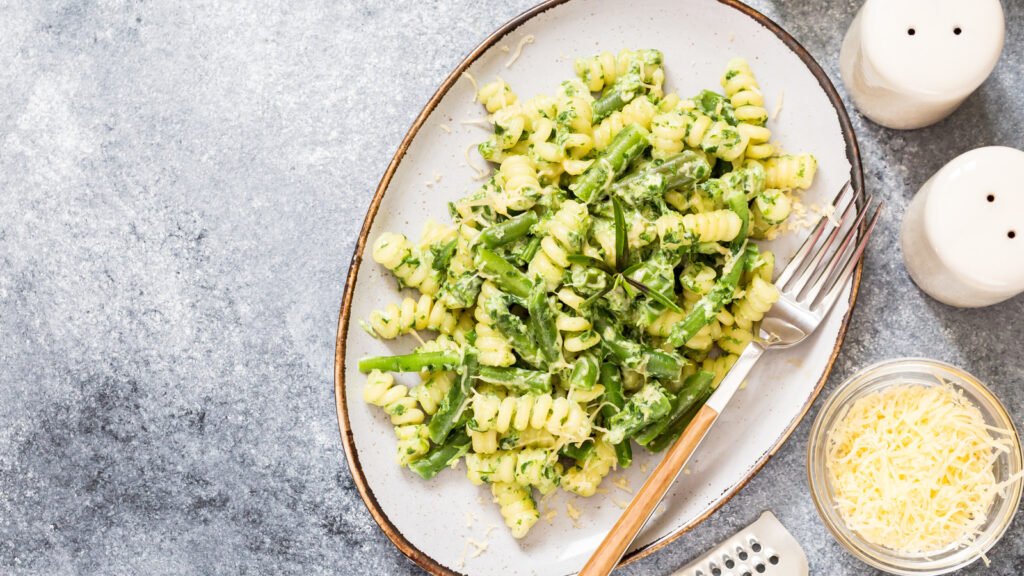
(810, 286)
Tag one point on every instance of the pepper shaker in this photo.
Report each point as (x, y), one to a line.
(963, 234)
(910, 63)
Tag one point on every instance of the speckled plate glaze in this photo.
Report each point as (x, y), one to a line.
(431, 521)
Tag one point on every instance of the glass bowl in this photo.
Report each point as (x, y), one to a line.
(929, 373)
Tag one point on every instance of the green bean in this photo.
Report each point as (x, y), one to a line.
(655, 363)
(624, 453)
(675, 429)
(621, 236)
(441, 456)
(504, 274)
(717, 106)
(736, 200)
(444, 420)
(711, 304)
(614, 401)
(517, 380)
(648, 405)
(528, 250)
(627, 145)
(584, 372)
(684, 170)
(622, 92)
(655, 280)
(577, 452)
(542, 323)
(612, 100)
(695, 390)
(460, 292)
(508, 231)
(410, 362)
(515, 330)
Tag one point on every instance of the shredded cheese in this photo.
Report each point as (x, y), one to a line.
(830, 213)
(528, 39)
(778, 105)
(572, 511)
(912, 467)
(622, 483)
(479, 547)
(550, 515)
(472, 81)
(478, 122)
(620, 503)
(480, 173)
(445, 128)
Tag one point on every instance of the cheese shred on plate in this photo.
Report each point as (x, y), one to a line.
(911, 467)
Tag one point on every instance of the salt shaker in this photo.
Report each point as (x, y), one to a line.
(963, 234)
(910, 63)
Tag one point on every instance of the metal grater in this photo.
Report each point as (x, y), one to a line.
(763, 548)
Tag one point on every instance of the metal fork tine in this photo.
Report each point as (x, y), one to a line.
(811, 273)
(839, 284)
(798, 258)
(837, 257)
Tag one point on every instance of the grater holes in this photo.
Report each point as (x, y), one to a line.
(715, 570)
(755, 546)
(773, 559)
(741, 553)
(729, 563)
(760, 568)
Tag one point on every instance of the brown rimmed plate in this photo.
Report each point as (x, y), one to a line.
(431, 521)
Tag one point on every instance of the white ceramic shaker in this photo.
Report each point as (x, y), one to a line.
(910, 63)
(963, 234)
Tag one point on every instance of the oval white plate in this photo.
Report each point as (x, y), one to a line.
(431, 521)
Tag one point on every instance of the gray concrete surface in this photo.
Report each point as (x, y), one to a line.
(181, 184)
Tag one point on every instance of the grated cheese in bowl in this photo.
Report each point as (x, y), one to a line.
(915, 467)
(911, 467)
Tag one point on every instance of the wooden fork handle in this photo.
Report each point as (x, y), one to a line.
(650, 495)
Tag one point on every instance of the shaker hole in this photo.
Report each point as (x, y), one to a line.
(957, 31)
(911, 31)
(1011, 234)
(991, 197)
